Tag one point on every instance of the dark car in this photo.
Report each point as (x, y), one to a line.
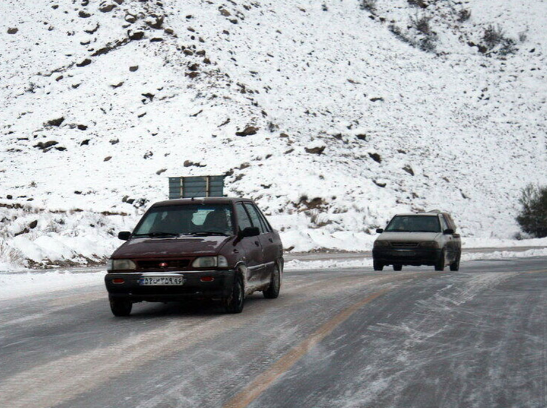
(208, 248)
(418, 239)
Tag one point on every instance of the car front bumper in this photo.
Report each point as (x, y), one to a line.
(414, 256)
(211, 284)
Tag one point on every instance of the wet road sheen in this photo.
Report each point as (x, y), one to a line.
(334, 338)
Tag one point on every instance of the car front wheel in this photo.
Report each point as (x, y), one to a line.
(455, 266)
(439, 266)
(234, 303)
(121, 307)
(377, 266)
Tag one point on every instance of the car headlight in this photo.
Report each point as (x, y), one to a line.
(210, 262)
(120, 265)
(429, 244)
(378, 244)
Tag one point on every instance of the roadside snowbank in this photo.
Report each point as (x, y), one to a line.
(367, 261)
(26, 283)
(35, 283)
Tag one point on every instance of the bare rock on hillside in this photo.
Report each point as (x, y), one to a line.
(55, 122)
(13, 30)
(106, 8)
(155, 22)
(84, 63)
(189, 163)
(376, 157)
(409, 170)
(315, 150)
(46, 146)
(84, 14)
(92, 29)
(379, 183)
(135, 35)
(130, 18)
(248, 131)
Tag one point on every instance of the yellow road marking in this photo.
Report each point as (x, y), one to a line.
(538, 271)
(264, 380)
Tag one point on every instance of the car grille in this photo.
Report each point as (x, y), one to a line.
(163, 264)
(404, 244)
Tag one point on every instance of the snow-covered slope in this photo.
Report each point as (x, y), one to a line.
(354, 121)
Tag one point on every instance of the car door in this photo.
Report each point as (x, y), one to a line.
(254, 257)
(266, 241)
(448, 239)
(456, 242)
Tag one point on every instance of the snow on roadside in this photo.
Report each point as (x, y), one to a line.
(26, 283)
(295, 264)
(503, 254)
(366, 262)
(31, 283)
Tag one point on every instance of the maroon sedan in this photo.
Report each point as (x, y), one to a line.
(204, 248)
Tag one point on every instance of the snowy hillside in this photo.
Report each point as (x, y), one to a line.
(333, 115)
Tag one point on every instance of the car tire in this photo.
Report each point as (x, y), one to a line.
(121, 307)
(377, 266)
(275, 285)
(397, 267)
(234, 303)
(440, 265)
(455, 266)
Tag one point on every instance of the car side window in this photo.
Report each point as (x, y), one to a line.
(255, 217)
(443, 223)
(267, 225)
(242, 217)
(450, 221)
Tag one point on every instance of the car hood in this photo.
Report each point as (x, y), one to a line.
(171, 247)
(408, 236)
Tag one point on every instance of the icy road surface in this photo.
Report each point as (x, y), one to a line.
(334, 338)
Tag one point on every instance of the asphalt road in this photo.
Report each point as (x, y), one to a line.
(334, 338)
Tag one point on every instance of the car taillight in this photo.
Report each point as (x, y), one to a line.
(118, 281)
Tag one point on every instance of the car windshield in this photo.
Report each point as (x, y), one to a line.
(414, 223)
(190, 219)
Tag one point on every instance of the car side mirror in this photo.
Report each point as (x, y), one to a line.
(249, 232)
(124, 235)
(448, 231)
(379, 230)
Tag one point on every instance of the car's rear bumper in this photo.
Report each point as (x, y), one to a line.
(213, 284)
(414, 256)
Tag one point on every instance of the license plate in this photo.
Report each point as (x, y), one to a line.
(405, 253)
(162, 281)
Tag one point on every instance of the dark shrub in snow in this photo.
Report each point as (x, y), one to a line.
(533, 214)
(369, 5)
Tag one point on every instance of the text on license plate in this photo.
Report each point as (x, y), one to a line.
(162, 281)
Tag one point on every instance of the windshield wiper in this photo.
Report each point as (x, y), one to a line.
(157, 234)
(209, 233)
